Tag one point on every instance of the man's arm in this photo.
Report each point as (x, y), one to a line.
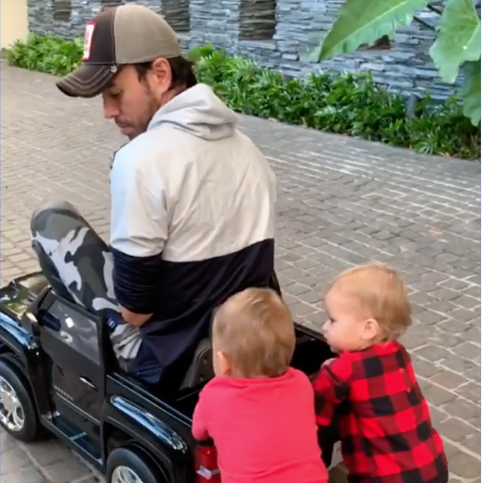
(138, 235)
(331, 387)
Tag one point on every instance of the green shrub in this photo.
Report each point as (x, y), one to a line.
(53, 55)
(338, 103)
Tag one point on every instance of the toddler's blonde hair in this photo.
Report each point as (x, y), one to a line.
(380, 292)
(254, 328)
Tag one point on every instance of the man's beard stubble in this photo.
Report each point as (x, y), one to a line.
(151, 109)
(140, 125)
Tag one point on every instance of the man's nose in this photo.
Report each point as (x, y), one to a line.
(111, 111)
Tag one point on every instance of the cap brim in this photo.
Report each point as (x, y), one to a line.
(87, 81)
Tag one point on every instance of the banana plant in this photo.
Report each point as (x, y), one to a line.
(457, 44)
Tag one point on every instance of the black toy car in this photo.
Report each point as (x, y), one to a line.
(59, 375)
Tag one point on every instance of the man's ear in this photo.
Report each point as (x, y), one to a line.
(161, 70)
(371, 329)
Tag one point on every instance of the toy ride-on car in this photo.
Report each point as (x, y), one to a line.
(59, 375)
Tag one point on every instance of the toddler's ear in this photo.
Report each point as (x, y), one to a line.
(371, 330)
(224, 363)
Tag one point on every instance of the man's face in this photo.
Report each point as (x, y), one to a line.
(132, 101)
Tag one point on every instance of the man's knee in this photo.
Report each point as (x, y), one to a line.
(42, 213)
(50, 271)
(50, 225)
(54, 219)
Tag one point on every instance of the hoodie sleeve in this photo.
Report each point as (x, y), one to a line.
(138, 230)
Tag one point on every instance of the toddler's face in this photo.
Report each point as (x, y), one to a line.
(346, 329)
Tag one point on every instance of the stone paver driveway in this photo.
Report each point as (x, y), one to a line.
(341, 202)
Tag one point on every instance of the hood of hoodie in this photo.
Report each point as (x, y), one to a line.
(199, 112)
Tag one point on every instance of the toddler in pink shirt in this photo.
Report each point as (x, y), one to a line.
(258, 410)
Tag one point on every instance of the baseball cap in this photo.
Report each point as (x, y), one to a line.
(125, 34)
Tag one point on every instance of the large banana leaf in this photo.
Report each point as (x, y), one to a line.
(365, 21)
(459, 38)
(471, 91)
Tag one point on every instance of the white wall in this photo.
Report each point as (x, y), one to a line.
(14, 21)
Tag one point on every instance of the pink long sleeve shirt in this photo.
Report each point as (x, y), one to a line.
(264, 429)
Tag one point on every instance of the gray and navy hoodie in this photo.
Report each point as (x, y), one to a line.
(192, 223)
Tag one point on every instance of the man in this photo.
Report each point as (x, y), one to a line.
(192, 218)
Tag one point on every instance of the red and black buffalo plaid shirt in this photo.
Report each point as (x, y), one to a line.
(386, 431)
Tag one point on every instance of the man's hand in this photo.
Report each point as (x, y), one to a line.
(136, 320)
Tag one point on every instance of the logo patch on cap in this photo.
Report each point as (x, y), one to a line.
(90, 27)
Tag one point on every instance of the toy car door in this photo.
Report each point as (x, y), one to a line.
(69, 339)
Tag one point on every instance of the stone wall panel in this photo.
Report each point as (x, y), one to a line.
(245, 27)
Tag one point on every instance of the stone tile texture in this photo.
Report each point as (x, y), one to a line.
(341, 202)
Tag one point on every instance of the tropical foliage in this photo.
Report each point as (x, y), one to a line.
(339, 103)
(457, 45)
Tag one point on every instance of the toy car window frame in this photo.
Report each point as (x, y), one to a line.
(52, 298)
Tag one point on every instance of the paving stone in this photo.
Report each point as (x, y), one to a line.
(464, 465)
(471, 391)
(13, 460)
(435, 394)
(453, 326)
(23, 475)
(60, 472)
(444, 294)
(449, 380)
(473, 442)
(459, 364)
(463, 315)
(463, 409)
(437, 416)
(466, 302)
(48, 452)
(428, 317)
(89, 479)
(443, 339)
(424, 368)
(433, 353)
(6, 443)
(470, 350)
(413, 341)
(341, 201)
(456, 430)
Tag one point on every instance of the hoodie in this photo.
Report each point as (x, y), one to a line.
(192, 222)
(198, 111)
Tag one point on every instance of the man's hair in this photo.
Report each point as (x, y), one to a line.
(254, 328)
(182, 72)
(379, 292)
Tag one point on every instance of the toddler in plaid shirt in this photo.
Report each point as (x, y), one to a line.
(385, 429)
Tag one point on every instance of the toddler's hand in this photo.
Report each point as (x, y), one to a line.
(328, 361)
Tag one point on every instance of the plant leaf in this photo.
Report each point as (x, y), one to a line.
(365, 21)
(459, 38)
(471, 91)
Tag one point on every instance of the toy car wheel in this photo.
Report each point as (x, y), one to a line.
(131, 465)
(17, 411)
